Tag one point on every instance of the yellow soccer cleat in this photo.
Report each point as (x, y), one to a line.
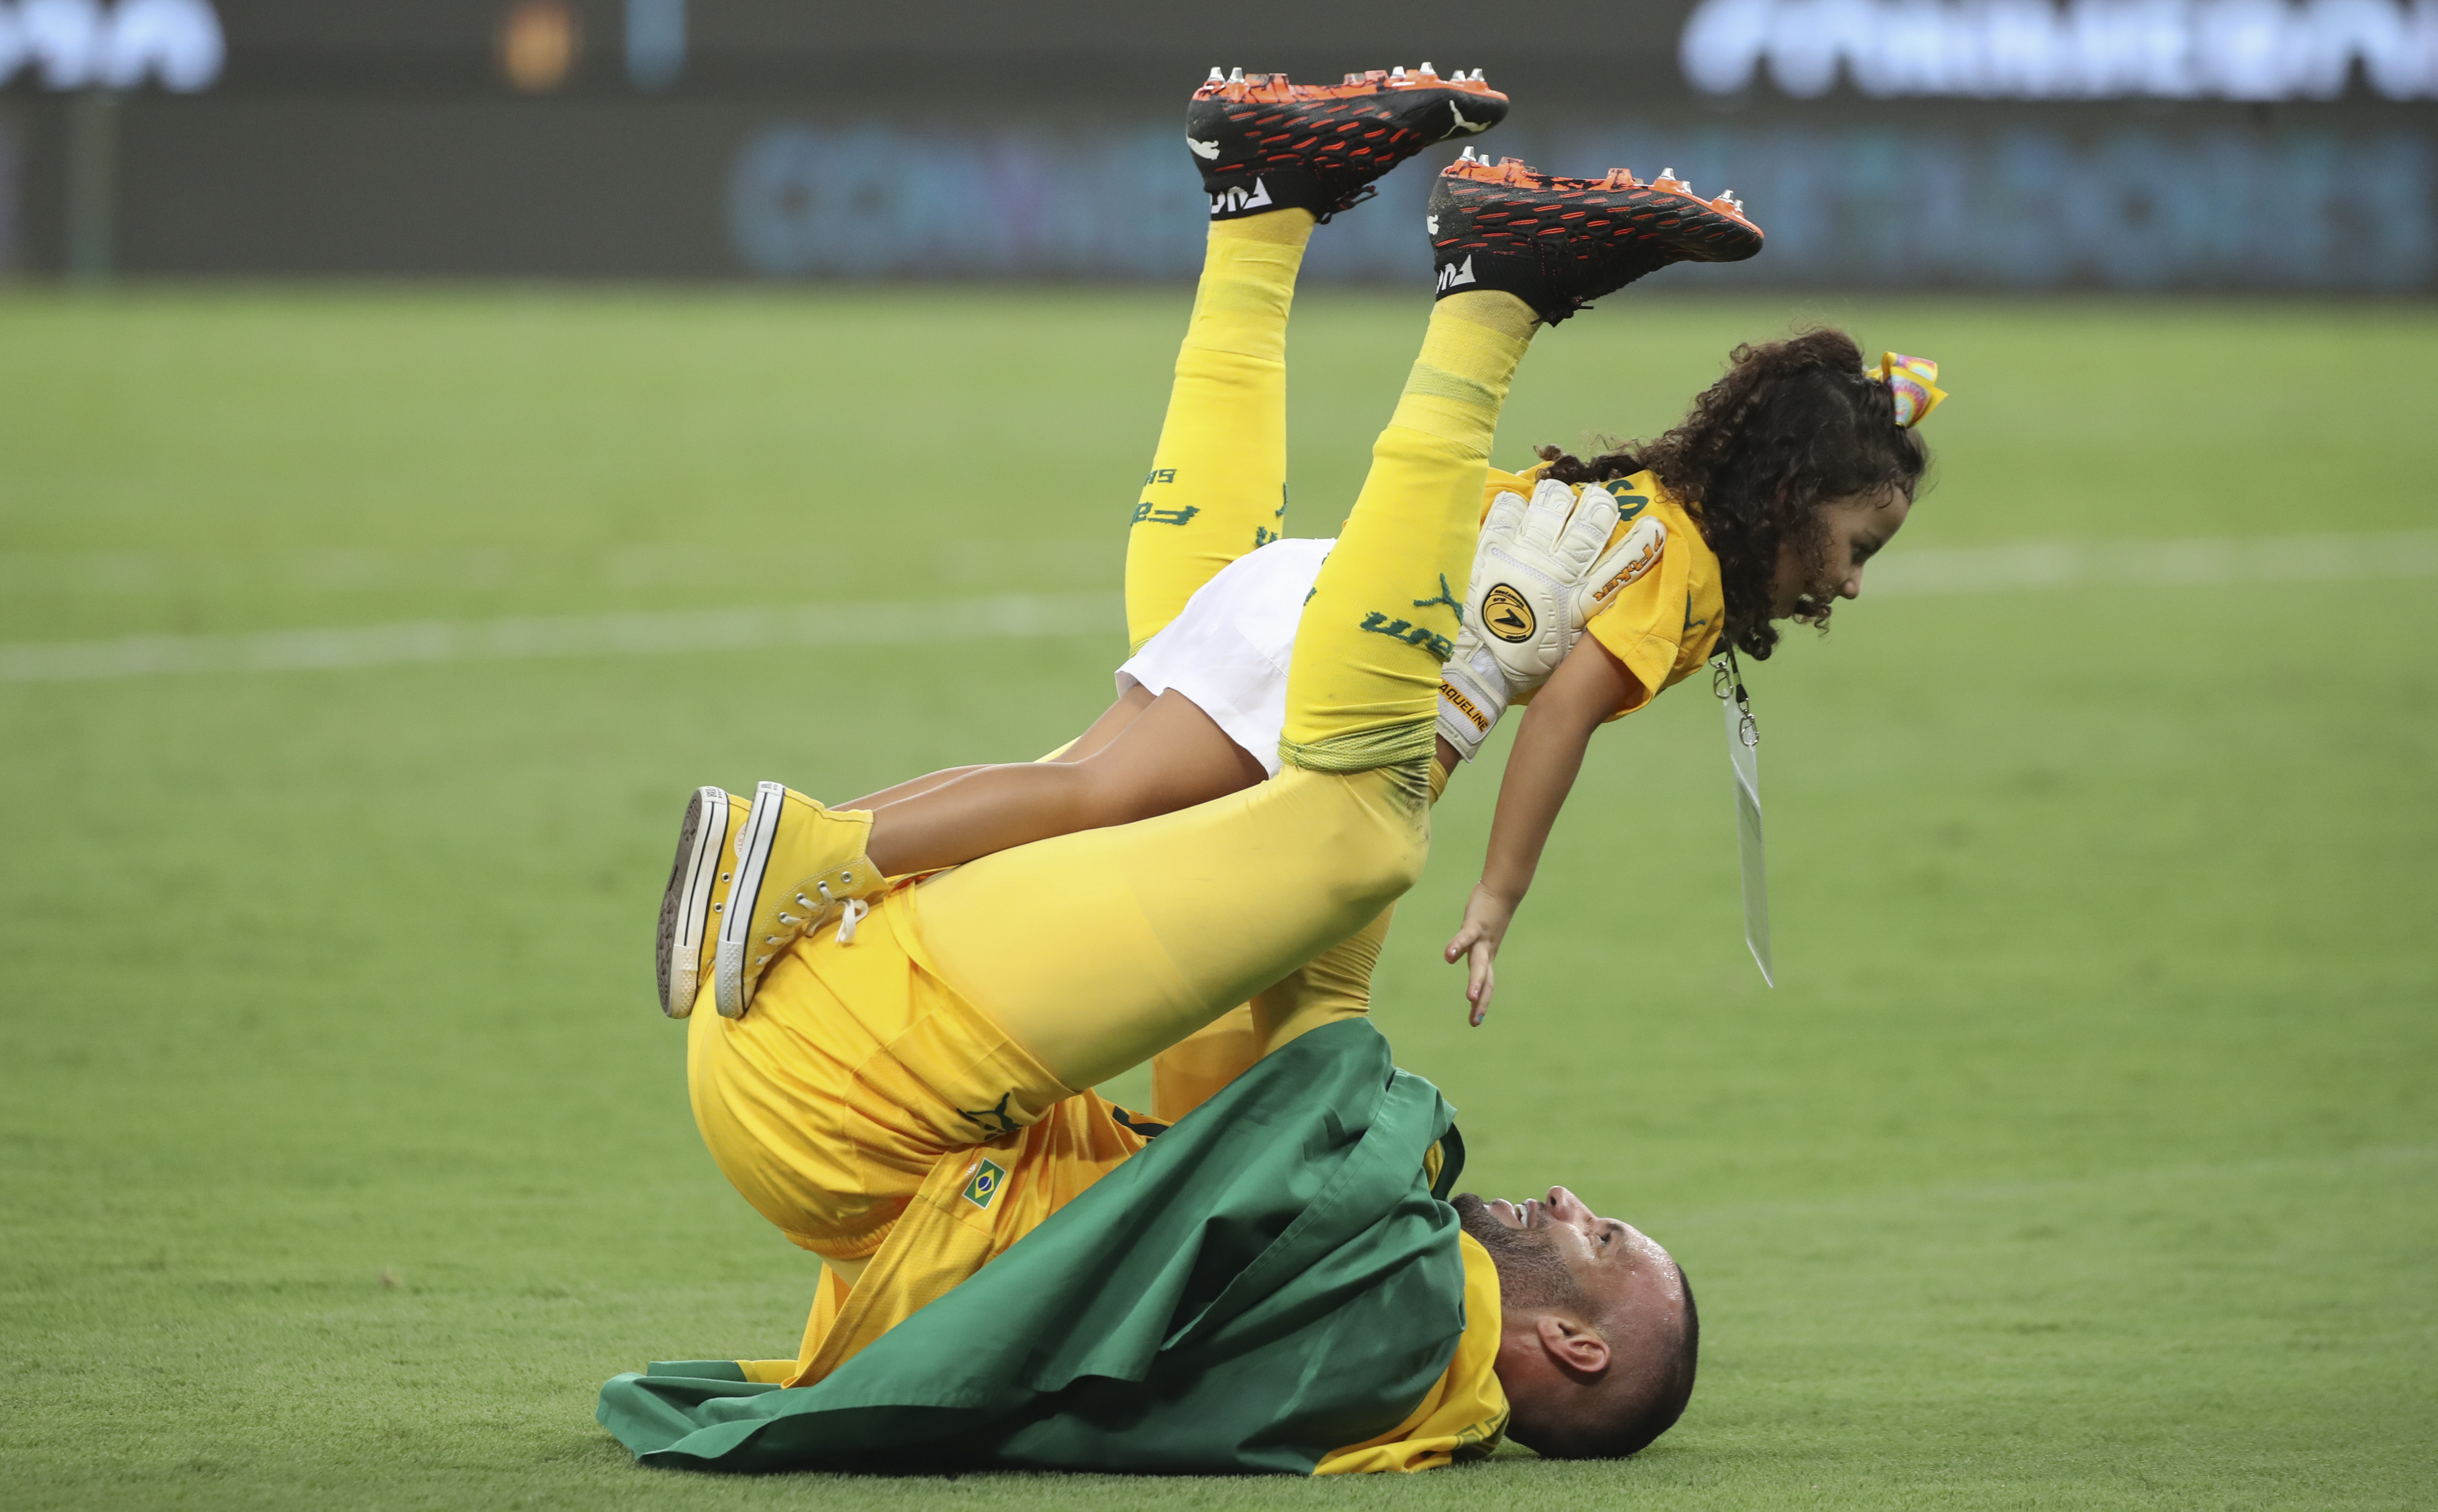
(797, 865)
(698, 882)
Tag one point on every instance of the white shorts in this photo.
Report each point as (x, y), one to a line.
(1229, 648)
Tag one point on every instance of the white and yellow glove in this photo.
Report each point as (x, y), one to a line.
(1539, 574)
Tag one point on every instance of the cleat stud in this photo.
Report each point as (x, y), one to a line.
(1236, 76)
(1216, 77)
(1428, 72)
(1397, 75)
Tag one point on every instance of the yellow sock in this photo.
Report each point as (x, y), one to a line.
(1364, 685)
(1217, 486)
(1459, 382)
(1501, 312)
(1248, 286)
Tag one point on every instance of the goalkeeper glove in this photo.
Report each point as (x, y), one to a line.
(1539, 574)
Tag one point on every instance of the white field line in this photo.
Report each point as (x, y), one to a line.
(2206, 561)
(2408, 1161)
(2154, 564)
(1013, 616)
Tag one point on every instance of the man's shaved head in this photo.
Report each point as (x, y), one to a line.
(1599, 1335)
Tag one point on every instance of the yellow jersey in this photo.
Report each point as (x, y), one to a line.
(1662, 627)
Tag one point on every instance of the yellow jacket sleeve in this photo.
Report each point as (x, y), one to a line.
(1465, 1414)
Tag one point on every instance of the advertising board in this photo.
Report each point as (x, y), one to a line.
(2204, 145)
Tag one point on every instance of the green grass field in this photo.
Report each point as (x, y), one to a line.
(2086, 1156)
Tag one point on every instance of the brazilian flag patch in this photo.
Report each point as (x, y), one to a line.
(981, 1187)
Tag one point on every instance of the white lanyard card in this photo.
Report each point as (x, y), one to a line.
(1743, 759)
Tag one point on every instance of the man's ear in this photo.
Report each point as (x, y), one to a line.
(1571, 1346)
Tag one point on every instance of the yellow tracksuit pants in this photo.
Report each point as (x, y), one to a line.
(999, 990)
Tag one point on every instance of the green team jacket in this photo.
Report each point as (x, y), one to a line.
(1272, 1278)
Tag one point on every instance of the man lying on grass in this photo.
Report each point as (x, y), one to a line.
(1019, 1274)
(1273, 1283)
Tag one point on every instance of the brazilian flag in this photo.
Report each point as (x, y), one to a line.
(1273, 1279)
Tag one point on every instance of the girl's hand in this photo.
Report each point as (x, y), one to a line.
(1486, 918)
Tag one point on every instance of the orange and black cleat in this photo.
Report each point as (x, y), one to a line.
(1558, 244)
(1264, 144)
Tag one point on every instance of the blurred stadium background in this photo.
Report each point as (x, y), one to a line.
(1896, 143)
(434, 436)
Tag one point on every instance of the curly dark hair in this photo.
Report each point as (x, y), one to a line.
(1792, 426)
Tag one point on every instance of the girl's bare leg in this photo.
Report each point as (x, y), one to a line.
(1103, 730)
(908, 789)
(1169, 757)
(1113, 722)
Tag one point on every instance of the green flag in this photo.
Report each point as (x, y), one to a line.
(1271, 1279)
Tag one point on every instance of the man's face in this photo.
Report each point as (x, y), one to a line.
(1554, 1252)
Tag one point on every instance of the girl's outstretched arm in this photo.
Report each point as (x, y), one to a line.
(1588, 687)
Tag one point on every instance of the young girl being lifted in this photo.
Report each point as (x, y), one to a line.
(1788, 475)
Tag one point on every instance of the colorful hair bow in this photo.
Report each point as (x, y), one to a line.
(1913, 383)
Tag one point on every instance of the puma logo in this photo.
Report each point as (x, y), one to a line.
(1463, 127)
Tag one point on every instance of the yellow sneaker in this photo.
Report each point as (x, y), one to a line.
(698, 882)
(796, 864)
